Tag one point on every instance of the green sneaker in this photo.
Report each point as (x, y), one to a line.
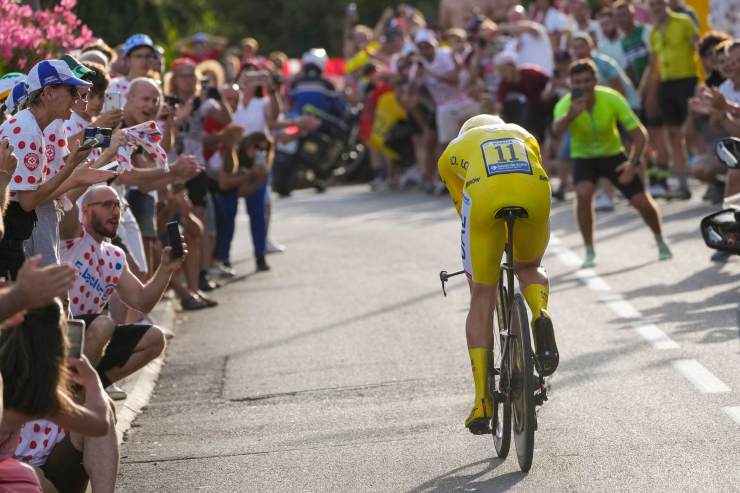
(664, 253)
(590, 260)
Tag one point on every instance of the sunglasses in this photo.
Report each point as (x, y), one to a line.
(111, 205)
(77, 94)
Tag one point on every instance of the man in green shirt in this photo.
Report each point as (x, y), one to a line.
(672, 82)
(591, 114)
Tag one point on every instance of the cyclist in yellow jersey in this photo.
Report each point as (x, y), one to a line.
(490, 165)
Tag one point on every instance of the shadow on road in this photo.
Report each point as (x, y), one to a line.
(460, 480)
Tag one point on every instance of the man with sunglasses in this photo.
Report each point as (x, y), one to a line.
(102, 270)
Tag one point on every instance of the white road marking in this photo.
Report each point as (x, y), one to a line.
(703, 379)
(621, 307)
(569, 258)
(592, 280)
(733, 412)
(656, 337)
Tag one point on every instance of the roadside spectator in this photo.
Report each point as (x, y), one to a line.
(526, 83)
(673, 78)
(102, 270)
(730, 88)
(530, 40)
(608, 41)
(438, 71)
(557, 23)
(139, 56)
(42, 390)
(53, 90)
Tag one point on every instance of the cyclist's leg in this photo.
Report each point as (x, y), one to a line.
(531, 236)
(482, 242)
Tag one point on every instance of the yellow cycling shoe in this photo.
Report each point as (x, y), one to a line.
(480, 417)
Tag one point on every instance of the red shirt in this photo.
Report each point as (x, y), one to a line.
(532, 81)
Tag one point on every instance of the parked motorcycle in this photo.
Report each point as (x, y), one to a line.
(721, 230)
(314, 158)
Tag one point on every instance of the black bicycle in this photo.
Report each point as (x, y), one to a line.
(515, 387)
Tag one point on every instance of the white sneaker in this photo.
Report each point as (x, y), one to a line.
(440, 189)
(221, 271)
(115, 392)
(658, 191)
(410, 178)
(273, 247)
(603, 202)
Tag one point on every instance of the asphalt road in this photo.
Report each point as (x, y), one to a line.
(344, 368)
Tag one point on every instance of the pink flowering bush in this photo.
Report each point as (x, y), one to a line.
(28, 36)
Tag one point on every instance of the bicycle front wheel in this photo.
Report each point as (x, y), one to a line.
(501, 422)
(522, 385)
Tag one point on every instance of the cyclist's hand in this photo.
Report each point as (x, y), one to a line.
(626, 172)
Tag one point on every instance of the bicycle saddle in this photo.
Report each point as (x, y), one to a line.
(505, 212)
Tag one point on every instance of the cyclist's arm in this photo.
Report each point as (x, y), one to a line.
(452, 180)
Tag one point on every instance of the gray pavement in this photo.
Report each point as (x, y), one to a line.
(344, 368)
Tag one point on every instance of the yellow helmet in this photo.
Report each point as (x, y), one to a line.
(480, 121)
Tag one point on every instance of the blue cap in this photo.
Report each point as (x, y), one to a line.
(17, 97)
(52, 73)
(199, 38)
(137, 41)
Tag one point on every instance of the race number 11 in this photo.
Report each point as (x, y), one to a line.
(506, 156)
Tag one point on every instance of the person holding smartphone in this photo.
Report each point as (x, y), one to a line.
(591, 114)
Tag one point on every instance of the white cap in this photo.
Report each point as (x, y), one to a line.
(51, 73)
(505, 57)
(425, 36)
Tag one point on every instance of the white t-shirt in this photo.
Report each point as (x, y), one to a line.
(252, 117)
(75, 124)
(37, 440)
(23, 132)
(730, 91)
(611, 48)
(556, 21)
(99, 267)
(56, 147)
(533, 50)
(445, 95)
(119, 85)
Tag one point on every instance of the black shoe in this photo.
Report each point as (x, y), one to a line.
(545, 348)
(720, 256)
(205, 284)
(559, 195)
(262, 264)
(679, 194)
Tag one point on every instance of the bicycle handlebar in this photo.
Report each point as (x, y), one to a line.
(444, 277)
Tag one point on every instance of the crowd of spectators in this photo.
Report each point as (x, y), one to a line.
(87, 222)
(85, 235)
(421, 78)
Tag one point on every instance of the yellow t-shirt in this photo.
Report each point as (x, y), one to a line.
(388, 112)
(362, 58)
(673, 46)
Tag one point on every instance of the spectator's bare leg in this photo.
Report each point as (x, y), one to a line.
(585, 211)
(733, 182)
(149, 347)
(97, 336)
(100, 457)
(677, 145)
(648, 209)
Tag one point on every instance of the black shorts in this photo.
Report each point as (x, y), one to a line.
(198, 189)
(592, 169)
(143, 207)
(674, 100)
(121, 345)
(64, 467)
(655, 121)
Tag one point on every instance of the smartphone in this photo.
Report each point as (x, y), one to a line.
(260, 158)
(109, 167)
(175, 239)
(172, 100)
(102, 134)
(113, 101)
(76, 338)
(576, 93)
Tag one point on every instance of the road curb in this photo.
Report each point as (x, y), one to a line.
(140, 386)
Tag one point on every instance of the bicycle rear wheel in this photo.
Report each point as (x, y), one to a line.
(522, 385)
(501, 422)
